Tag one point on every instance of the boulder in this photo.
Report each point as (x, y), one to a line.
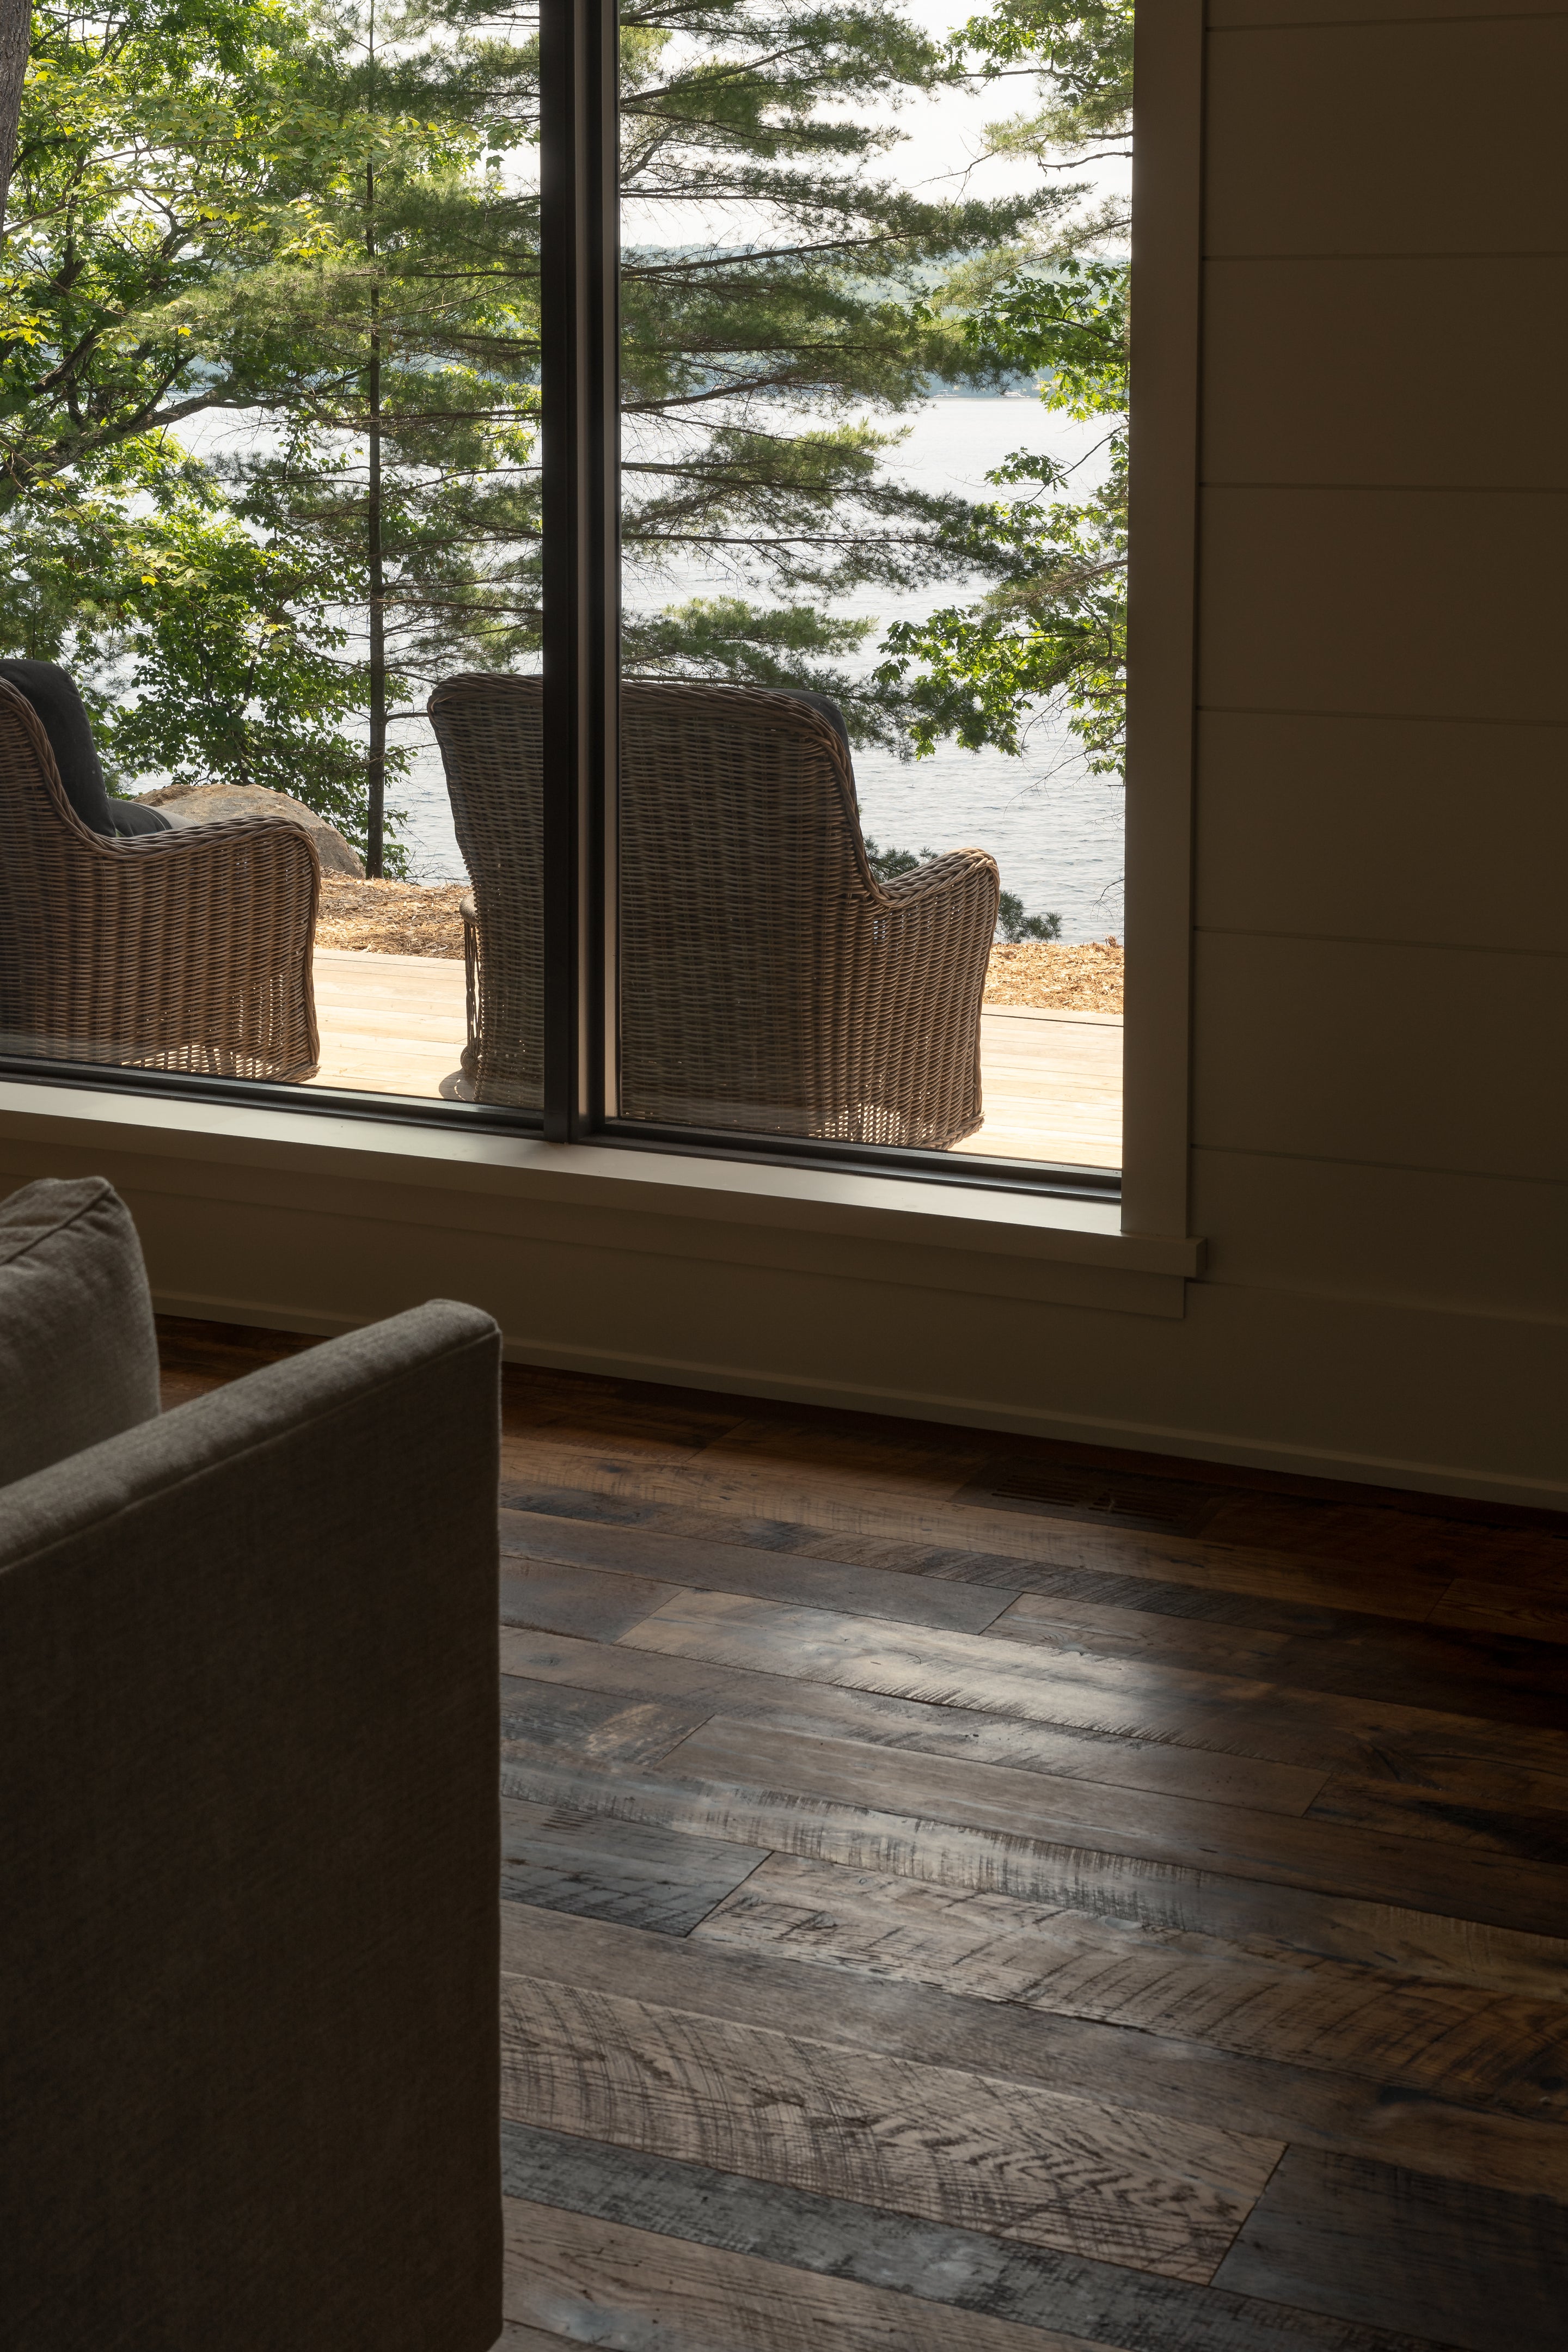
(209, 804)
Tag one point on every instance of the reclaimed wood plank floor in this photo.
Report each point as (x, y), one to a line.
(937, 1917)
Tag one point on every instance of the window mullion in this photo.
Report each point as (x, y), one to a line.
(580, 398)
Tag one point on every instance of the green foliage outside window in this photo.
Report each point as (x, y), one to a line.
(322, 220)
(1055, 625)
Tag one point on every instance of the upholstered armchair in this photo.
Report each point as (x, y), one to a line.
(249, 1968)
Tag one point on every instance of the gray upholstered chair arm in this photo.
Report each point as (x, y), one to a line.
(247, 1935)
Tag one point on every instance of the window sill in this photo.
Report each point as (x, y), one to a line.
(824, 1221)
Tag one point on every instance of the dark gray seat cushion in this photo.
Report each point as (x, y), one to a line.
(78, 1354)
(135, 816)
(825, 706)
(52, 692)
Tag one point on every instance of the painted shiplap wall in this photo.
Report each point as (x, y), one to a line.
(1381, 988)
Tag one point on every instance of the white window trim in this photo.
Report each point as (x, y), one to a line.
(825, 1220)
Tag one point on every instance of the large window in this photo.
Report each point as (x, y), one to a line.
(645, 494)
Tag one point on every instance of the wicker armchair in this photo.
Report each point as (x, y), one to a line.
(185, 950)
(769, 981)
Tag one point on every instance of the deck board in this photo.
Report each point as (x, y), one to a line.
(396, 1025)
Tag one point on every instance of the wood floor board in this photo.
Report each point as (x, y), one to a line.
(1076, 1872)
(1509, 1681)
(582, 1410)
(1167, 1586)
(1524, 1826)
(856, 1447)
(1128, 1633)
(591, 1725)
(721, 1489)
(1133, 1698)
(681, 1424)
(651, 1678)
(1345, 1649)
(944, 2144)
(607, 1869)
(537, 1393)
(195, 1358)
(1456, 2041)
(1382, 2246)
(673, 1443)
(1046, 1488)
(595, 1606)
(1462, 1885)
(1186, 2080)
(678, 1561)
(1476, 1605)
(595, 2281)
(904, 1461)
(1391, 1540)
(959, 2271)
(894, 1554)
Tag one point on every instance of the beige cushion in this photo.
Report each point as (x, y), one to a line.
(78, 1356)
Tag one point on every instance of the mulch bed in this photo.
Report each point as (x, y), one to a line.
(1048, 978)
(391, 918)
(414, 918)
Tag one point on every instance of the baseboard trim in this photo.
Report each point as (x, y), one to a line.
(963, 1413)
(247, 1316)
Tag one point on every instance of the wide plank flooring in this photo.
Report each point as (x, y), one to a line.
(967, 1895)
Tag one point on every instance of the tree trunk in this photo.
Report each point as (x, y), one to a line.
(375, 767)
(16, 31)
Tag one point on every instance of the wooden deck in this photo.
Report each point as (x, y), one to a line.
(968, 1895)
(395, 1025)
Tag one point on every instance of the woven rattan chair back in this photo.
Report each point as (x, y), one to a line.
(189, 950)
(768, 982)
(490, 730)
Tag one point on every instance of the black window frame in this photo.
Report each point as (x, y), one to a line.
(579, 435)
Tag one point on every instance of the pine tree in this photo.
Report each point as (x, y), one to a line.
(767, 282)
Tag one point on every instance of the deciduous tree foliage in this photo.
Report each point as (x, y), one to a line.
(165, 169)
(204, 652)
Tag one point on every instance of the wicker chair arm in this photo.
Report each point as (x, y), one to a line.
(221, 833)
(955, 870)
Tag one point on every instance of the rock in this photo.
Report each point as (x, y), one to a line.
(209, 804)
